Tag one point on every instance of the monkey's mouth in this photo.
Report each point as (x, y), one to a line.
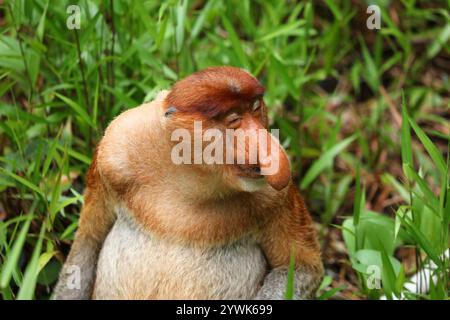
(249, 171)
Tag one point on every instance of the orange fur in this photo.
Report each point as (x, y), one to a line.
(96, 218)
(198, 205)
(280, 219)
(292, 232)
(214, 91)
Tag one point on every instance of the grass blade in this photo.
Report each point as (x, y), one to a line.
(23, 181)
(289, 295)
(358, 198)
(77, 108)
(13, 257)
(434, 153)
(406, 135)
(236, 43)
(26, 291)
(324, 161)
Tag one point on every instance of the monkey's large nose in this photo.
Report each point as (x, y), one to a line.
(273, 161)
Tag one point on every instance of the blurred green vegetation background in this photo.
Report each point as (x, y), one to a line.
(364, 114)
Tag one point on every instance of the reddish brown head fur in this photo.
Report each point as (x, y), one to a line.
(214, 91)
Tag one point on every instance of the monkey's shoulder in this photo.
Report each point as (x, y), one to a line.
(133, 121)
(129, 144)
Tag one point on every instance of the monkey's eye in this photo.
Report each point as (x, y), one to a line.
(233, 120)
(256, 105)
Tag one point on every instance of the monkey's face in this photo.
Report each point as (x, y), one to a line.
(253, 156)
(217, 122)
(235, 146)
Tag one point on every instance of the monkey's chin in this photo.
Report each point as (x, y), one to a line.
(252, 184)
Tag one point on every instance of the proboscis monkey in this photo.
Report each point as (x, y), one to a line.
(151, 228)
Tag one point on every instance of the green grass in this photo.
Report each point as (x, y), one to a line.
(363, 113)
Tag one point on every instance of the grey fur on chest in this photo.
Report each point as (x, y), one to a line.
(138, 265)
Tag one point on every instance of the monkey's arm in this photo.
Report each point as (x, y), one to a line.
(291, 232)
(77, 276)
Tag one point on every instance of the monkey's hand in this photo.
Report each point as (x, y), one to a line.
(77, 276)
(275, 284)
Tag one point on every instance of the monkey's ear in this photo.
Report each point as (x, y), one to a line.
(170, 110)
